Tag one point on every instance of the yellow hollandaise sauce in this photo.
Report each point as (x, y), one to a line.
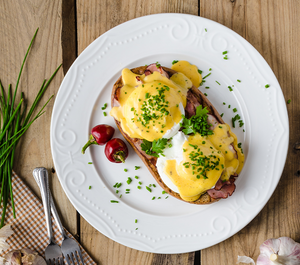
(189, 70)
(151, 105)
(205, 160)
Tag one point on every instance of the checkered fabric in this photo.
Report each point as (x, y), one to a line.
(30, 224)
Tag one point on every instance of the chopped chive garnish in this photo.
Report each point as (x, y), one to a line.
(119, 185)
(167, 197)
(267, 85)
(207, 87)
(175, 61)
(229, 106)
(235, 118)
(127, 189)
(104, 107)
(120, 196)
(205, 30)
(209, 69)
(205, 94)
(153, 198)
(90, 163)
(139, 187)
(225, 57)
(136, 177)
(135, 220)
(104, 113)
(112, 201)
(203, 81)
(129, 180)
(239, 80)
(200, 72)
(163, 192)
(117, 191)
(136, 167)
(140, 182)
(125, 169)
(90, 187)
(222, 114)
(234, 110)
(115, 185)
(206, 76)
(148, 189)
(230, 88)
(225, 52)
(136, 229)
(154, 185)
(218, 83)
(224, 103)
(289, 101)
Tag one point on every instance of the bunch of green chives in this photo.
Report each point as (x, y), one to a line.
(14, 122)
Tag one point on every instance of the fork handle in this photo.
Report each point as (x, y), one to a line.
(44, 187)
(52, 205)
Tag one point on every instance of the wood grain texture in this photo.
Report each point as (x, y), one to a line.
(93, 19)
(272, 27)
(18, 22)
(68, 34)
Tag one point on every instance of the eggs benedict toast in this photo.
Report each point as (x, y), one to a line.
(177, 132)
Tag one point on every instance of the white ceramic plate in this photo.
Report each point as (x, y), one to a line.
(168, 225)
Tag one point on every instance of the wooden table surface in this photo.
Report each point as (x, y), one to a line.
(67, 27)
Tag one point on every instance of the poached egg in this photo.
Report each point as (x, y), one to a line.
(192, 164)
(151, 106)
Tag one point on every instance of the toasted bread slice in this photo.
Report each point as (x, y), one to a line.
(194, 98)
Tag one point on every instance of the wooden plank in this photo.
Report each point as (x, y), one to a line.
(93, 19)
(18, 22)
(272, 27)
(68, 34)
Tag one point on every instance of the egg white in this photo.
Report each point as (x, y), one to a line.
(171, 153)
(171, 132)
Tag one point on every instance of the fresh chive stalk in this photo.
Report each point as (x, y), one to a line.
(13, 124)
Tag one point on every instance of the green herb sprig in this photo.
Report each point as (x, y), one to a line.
(197, 123)
(154, 148)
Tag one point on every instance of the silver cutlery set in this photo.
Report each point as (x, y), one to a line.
(69, 249)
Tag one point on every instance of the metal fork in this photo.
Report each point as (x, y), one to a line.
(69, 247)
(53, 252)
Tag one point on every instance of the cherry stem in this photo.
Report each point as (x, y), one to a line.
(90, 142)
(119, 156)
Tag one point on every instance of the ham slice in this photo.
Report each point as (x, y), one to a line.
(212, 120)
(154, 68)
(223, 189)
(224, 192)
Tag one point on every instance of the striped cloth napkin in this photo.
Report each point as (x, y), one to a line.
(30, 224)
